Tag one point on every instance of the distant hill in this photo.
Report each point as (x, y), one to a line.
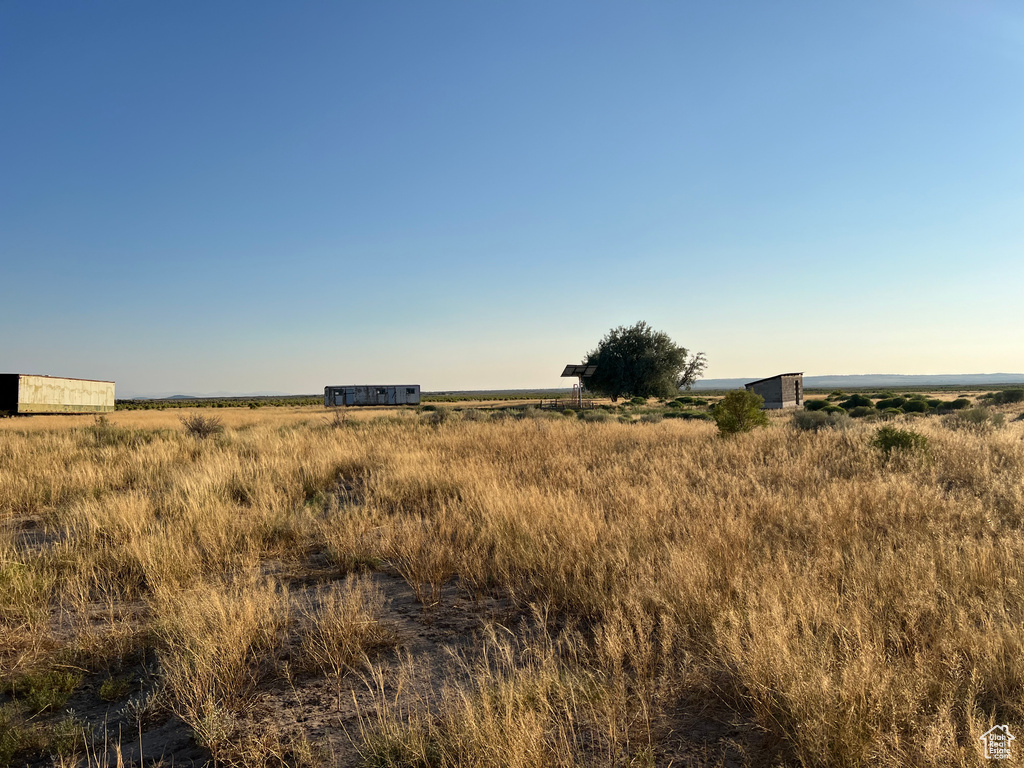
(880, 380)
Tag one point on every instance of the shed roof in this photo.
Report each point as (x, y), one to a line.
(776, 376)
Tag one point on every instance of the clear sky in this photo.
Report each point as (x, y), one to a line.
(252, 196)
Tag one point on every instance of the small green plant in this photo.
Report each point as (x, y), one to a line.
(891, 440)
(836, 394)
(201, 427)
(115, 688)
(596, 416)
(43, 691)
(67, 737)
(815, 405)
(739, 411)
(638, 401)
(915, 406)
(651, 418)
(834, 409)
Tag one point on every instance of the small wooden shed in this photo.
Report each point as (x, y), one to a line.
(783, 391)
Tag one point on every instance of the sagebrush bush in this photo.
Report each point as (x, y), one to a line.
(815, 405)
(817, 420)
(978, 419)
(915, 406)
(201, 427)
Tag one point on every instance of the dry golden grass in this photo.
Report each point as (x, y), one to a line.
(852, 610)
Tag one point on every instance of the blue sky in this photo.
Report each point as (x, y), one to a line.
(248, 196)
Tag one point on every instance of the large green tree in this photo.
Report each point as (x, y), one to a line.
(640, 361)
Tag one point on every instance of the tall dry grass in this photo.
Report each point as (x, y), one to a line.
(857, 610)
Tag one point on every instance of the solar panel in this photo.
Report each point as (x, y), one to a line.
(579, 370)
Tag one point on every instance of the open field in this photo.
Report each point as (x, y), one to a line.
(399, 588)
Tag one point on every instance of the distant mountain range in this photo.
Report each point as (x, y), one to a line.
(880, 380)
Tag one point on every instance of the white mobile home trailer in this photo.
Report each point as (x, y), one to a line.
(20, 393)
(388, 394)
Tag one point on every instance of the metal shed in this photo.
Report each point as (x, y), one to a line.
(384, 394)
(21, 393)
(785, 390)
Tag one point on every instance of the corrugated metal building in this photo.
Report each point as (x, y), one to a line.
(388, 394)
(21, 393)
(783, 391)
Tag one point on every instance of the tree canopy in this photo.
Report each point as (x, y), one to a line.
(639, 361)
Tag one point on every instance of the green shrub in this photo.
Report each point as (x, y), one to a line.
(891, 413)
(675, 404)
(569, 412)
(833, 409)
(685, 400)
(854, 401)
(690, 415)
(638, 400)
(892, 402)
(1007, 396)
(915, 406)
(815, 405)
(739, 411)
(836, 394)
(651, 418)
(815, 421)
(957, 405)
(42, 691)
(596, 416)
(860, 411)
(114, 688)
(890, 439)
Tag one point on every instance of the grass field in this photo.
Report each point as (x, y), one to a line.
(403, 589)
